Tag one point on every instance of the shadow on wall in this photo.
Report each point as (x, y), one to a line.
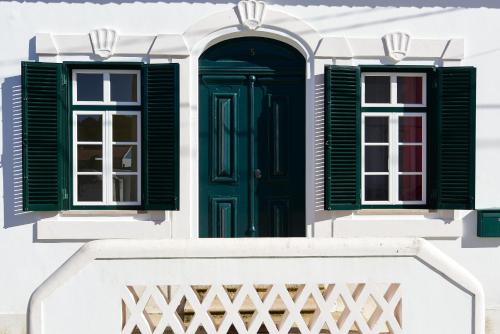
(320, 214)
(470, 238)
(11, 162)
(346, 3)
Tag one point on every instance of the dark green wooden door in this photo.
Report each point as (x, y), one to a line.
(251, 140)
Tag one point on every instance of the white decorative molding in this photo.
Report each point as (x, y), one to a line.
(251, 13)
(397, 45)
(103, 41)
(101, 268)
(333, 47)
(75, 225)
(164, 45)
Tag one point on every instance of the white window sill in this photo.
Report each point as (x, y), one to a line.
(90, 225)
(445, 224)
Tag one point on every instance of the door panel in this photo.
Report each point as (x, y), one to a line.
(224, 135)
(280, 156)
(223, 194)
(252, 140)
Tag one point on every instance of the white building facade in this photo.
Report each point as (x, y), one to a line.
(414, 85)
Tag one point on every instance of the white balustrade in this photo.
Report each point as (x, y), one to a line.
(344, 286)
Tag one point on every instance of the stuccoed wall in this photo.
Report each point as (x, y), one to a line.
(26, 259)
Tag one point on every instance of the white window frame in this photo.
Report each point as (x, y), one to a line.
(106, 87)
(393, 163)
(107, 158)
(394, 89)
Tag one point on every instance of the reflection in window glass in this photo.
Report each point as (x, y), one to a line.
(89, 158)
(410, 158)
(409, 90)
(89, 87)
(410, 187)
(376, 129)
(376, 158)
(89, 127)
(89, 188)
(124, 188)
(124, 158)
(124, 128)
(123, 87)
(377, 89)
(376, 187)
(410, 129)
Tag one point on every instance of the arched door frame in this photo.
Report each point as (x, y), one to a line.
(277, 25)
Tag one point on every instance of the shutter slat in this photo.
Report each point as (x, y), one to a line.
(342, 107)
(456, 140)
(161, 177)
(42, 108)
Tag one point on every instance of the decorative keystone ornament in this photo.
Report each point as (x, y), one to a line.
(397, 45)
(103, 41)
(251, 13)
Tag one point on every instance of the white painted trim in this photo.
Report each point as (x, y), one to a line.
(397, 223)
(176, 45)
(161, 45)
(259, 248)
(107, 157)
(420, 49)
(394, 89)
(226, 25)
(78, 225)
(393, 163)
(106, 88)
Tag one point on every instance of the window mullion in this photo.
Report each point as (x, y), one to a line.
(393, 156)
(394, 87)
(108, 165)
(106, 87)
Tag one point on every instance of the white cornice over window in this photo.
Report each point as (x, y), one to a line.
(107, 42)
(395, 46)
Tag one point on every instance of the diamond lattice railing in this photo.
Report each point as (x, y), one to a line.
(360, 308)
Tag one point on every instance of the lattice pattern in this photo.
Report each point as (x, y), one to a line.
(360, 308)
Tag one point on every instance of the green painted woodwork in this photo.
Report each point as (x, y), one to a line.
(44, 97)
(78, 65)
(455, 145)
(451, 135)
(488, 223)
(160, 120)
(251, 140)
(342, 138)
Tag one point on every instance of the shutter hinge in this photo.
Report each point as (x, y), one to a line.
(65, 193)
(64, 80)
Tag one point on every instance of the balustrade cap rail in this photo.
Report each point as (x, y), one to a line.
(120, 249)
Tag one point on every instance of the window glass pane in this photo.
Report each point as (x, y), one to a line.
(124, 188)
(89, 86)
(376, 158)
(125, 128)
(123, 87)
(89, 188)
(410, 187)
(124, 158)
(376, 187)
(89, 158)
(410, 129)
(376, 129)
(410, 158)
(377, 89)
(409, 90)
(89, 127)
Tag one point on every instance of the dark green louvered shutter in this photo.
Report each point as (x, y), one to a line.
(342, 135)
(44, 145)
(455, 154)
(161, 134)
